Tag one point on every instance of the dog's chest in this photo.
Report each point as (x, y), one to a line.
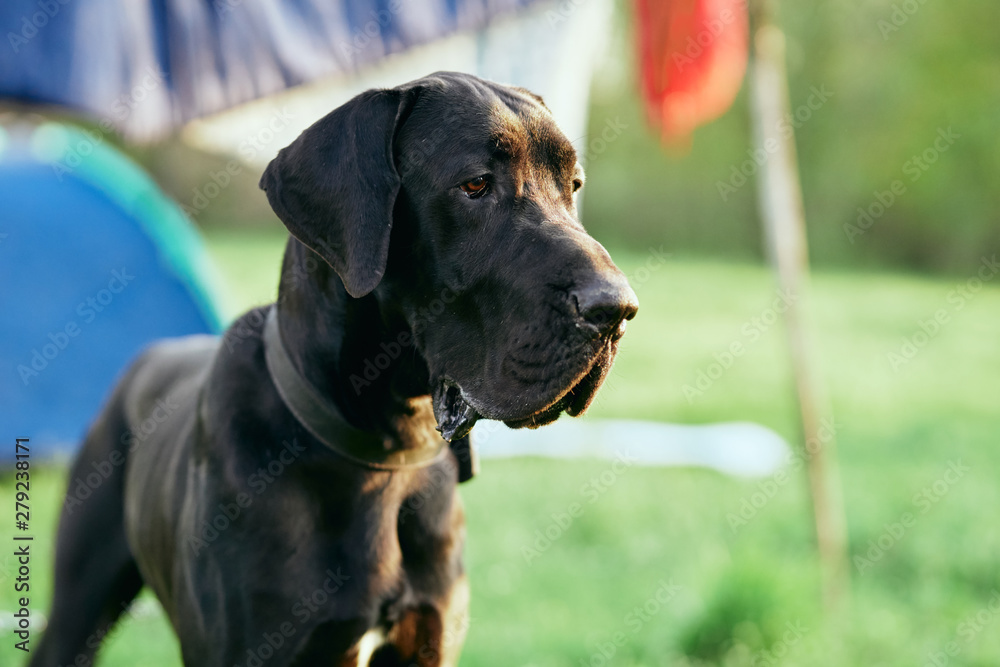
(397, 565)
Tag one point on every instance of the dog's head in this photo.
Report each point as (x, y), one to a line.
(515, 309)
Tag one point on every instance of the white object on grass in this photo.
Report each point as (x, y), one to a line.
(744, 449)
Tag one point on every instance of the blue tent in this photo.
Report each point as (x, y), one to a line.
(95, 262)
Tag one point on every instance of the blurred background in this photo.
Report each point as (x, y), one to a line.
(706, 556)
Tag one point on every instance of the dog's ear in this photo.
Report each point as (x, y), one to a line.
(335, 186)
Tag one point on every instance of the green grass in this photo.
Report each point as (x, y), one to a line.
(736, 591)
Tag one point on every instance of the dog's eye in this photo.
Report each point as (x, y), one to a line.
(476, 187)
(577, 184)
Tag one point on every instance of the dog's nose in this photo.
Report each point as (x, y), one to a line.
(605, 304)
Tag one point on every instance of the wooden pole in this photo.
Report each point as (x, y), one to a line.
(780, 202)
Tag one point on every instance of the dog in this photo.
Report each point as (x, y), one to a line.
(289, 490)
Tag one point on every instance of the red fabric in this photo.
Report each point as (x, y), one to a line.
(693, 54)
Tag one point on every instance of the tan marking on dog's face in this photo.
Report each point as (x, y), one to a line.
(539, 154)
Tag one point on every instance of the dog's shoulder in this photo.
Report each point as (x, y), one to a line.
(167, 372)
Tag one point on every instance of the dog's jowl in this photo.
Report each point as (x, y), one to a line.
(298, 505)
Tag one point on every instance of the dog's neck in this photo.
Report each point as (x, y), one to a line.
(336, 343)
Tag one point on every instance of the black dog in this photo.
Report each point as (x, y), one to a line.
(288, 491)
